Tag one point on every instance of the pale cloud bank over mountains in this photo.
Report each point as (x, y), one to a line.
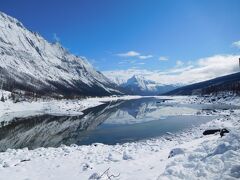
(200, 70)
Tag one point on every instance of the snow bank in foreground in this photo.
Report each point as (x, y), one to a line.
(210, 160)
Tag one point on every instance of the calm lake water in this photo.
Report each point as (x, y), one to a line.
(111, 123)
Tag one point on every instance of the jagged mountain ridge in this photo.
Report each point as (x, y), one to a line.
(29, 62)
(137, 84)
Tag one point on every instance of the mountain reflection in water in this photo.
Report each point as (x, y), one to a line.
(110, 123)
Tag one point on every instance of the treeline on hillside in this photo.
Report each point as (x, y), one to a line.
(17, 95)
(33, 89)
(233, 87)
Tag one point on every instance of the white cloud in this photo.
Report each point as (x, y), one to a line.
(129, 54)
(128, 61)
(202, 69)
(163, 58)
(135, 54)
(145, 57)
(236, 44)
(211, 67)
(178, 70)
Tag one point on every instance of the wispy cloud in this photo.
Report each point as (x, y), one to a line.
(129, 54)
(135, 54)
(145, 57)
(163, 58)
(92, 61)
(56, 38)
(179, 63)
(178, 70)
(236, 44)
(128, 61)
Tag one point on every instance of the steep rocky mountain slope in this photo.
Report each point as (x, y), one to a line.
(29, 62)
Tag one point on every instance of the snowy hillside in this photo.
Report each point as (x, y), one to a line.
(28, 62)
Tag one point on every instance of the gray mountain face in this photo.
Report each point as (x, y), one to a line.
(28, 62)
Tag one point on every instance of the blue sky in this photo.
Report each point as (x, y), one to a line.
(143, 34)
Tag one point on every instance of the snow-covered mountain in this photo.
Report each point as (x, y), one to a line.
(140, 84)
(29, 62)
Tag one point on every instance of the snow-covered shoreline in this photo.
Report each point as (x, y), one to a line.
(196, 156)
(8, 109)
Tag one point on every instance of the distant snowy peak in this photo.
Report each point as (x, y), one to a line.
(29, 62)
(138, 84)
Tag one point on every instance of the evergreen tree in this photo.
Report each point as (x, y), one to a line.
(2, 98)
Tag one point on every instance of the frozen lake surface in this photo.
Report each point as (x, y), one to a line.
(111, 123)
